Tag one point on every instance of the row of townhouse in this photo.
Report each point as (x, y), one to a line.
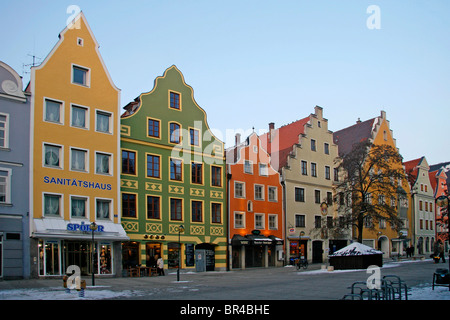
(83, 183)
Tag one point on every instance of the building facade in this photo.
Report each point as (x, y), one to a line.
(305, 154)
(438, 181)
(14, 175)
(423, 205)
(255, 202)
(380, 235)
(75, 161)
(173, 184)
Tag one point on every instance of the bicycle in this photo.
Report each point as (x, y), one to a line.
(302, 263)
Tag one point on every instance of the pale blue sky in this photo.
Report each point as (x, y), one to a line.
(254, 62)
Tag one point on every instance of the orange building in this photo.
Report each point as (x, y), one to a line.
(255, 206)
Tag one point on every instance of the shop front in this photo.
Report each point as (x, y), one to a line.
(253, 251)
(58, 244)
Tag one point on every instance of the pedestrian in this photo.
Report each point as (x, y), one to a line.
(160, 266)
(441, 251)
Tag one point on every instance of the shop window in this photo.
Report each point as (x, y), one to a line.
(48, 257)
(173, 255)
(105, 259)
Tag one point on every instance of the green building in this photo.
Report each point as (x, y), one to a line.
(173, 180)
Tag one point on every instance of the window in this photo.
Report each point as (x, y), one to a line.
(329, 198)
(317, 222)
(304, 168)
(4, 130)
(259, 221)
(239, 220)
(176, 209)
(153, 166)
(176, 172)
(263, 170)
(78, 160)
(299, 194)
(153, 207)
(78, 207)
(382, 223)
(239, 190)
(53, 111)
(103, 122)
(317, 196)
(174, 132)
(216, 212)
(128, 205)
(273, 194)
(196, 172)
(194, 135)
(299, 221)
(259, 192)
(80, 75)
(128, 162)
(326, 148)
(153, 128)
(336, 174)
(103, 163)
(273, 222)
(174, 100)
(327, 173)
(313, 169)
(197, 211)
(5, 186)
(103, 209)
(250, 206)
(313, 145)
(52, 205)
(52, 156)
(248, 167)
(78, 117)
(216, 176)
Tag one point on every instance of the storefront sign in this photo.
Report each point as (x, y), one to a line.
(77, 183)
(83, 227)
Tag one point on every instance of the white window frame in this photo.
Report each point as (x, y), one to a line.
(7, 185)
(86, 206)
(275, 221)
(61, 111)
(111, 121)
(87, 83)
(6, 130)
(262, 215)
(240, 226)
(61, 155)
(262, 198)
(86, 159)
(243, 190)
(250, 163)
(275, 193)
(111, 165)
(61, 204)
(87, 118)
(263, 169)
(111, 206)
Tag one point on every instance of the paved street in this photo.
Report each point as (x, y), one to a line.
(285, 283)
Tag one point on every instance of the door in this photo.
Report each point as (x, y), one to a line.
(317, 252)
(200, 260)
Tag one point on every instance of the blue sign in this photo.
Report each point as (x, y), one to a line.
(83, 227)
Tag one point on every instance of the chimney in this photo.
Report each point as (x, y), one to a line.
(359, 120)
(383, 115)
(237, 139)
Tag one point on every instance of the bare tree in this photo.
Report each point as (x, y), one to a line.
(368, 190)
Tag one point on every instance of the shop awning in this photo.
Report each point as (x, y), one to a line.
(54, 228)
(259, 239)
(239, 240)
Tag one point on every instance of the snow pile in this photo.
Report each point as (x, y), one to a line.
(355, 249)
(425, 292)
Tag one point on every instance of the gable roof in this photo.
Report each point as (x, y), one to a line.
(282, 140)
(348, 137)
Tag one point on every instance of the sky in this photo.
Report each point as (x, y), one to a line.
(255, 62)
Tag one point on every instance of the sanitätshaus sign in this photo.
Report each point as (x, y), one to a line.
(77, 183)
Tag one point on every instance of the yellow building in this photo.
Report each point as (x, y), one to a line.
(75, 159)
(380, 235)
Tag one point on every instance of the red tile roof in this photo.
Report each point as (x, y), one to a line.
(346, 138)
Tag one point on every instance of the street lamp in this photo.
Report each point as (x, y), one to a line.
(93, 226)
(443, 201)
(180, 230)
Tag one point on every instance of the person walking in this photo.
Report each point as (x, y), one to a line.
(441, 251)
(160, 266)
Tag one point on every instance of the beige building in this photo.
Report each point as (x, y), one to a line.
(305, 155)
